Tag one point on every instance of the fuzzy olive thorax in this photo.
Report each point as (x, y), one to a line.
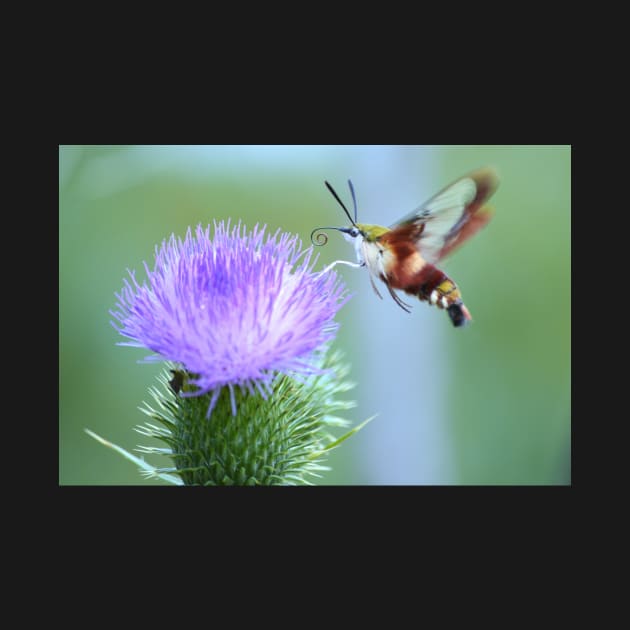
(371, 232)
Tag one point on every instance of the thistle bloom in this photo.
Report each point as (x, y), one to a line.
(234, 310)
(244, 324)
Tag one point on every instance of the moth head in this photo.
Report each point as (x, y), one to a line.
(349, 233)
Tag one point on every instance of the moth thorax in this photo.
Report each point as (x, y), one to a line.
(372, 232)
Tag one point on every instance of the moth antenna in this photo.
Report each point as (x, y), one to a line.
(336, 196)
(354, 200)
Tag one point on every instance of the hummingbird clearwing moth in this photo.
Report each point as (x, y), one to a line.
(404, 256)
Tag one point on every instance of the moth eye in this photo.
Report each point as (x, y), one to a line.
(354, 232)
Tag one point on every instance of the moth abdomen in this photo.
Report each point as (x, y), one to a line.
(432, 285)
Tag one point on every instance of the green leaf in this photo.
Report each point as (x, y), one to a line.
(147, 469)
(343, 438)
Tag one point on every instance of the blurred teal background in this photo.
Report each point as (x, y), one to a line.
(488, 404)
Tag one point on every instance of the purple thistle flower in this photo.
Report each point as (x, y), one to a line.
(234, 310)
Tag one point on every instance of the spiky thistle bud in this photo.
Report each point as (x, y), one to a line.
(245, 325)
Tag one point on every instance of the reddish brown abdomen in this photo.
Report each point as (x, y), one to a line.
(430, 284)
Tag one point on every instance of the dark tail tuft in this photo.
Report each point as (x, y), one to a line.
(459, 314)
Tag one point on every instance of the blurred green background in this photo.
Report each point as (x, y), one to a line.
(488, 404)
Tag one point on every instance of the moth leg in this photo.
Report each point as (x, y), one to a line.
(342, 262)
(374, 286)
(405, 307)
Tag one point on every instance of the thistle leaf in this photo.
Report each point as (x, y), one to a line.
(343, 438)
(146, 469)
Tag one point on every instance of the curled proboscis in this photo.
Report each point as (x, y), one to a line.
(319, 239)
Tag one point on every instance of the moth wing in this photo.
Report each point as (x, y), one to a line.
(450, 217)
